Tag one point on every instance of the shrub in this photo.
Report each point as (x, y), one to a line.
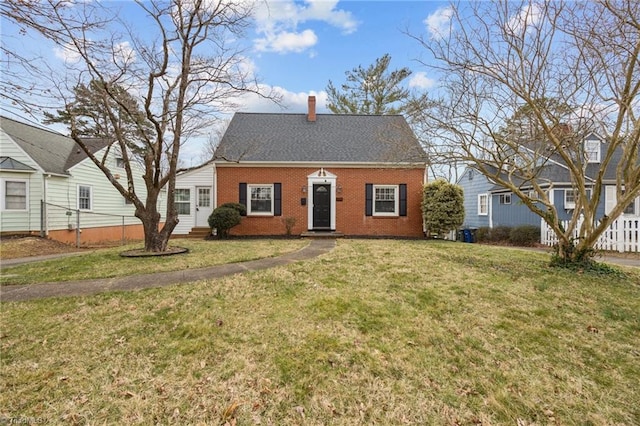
(442, 207)
(223, 219)
(289, 223)
(240, 208)
(525, 235)
(500, 234)
(483, 234)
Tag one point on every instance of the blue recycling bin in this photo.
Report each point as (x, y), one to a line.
(468, 237)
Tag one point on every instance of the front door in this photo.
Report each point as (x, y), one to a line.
(203, 205)
(321, 206)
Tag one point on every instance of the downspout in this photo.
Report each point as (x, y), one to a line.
(44, 226)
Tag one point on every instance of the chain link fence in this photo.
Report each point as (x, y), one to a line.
(54, 217)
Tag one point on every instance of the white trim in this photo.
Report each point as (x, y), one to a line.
(321, 177)
(487, 197)
(396, 196)
(260, 185)
(3, 183)
(569, 205)
(597, 150)
(189, 201)
(78, 186)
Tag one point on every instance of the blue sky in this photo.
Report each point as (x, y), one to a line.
(297, 46)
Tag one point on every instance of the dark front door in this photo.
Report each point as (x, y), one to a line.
(321, 206)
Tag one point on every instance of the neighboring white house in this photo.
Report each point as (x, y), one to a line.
(194, 199)
(49, 187)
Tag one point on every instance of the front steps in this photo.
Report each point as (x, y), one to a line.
(322, 234)
(199, 232)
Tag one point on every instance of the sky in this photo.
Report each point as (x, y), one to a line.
(296, 47)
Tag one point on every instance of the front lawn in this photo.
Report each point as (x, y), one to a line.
(374, 332)
(107, 263)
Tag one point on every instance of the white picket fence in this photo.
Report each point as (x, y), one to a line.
(623, 235)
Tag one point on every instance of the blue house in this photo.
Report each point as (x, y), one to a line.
(488, 204)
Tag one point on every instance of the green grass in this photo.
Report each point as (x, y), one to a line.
(107, 263)
(375, 332)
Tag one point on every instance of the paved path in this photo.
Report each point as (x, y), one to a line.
(14, 293)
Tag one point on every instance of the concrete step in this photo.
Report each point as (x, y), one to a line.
(322, 234)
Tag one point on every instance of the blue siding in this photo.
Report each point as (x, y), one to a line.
(514, 214)
(473, 184)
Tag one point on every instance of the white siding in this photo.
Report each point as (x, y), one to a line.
(108, 206)
(189, 180)
(21, 221)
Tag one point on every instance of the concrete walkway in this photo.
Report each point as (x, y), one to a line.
(15, 293)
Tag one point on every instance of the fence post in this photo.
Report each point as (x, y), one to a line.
(78, 228)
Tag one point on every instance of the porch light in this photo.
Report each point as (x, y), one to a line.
(304, 188)
(339, 189)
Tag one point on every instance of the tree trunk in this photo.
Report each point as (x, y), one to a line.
(156, 239)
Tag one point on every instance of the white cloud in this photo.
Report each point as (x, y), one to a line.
(527, 17)
(420, 80)
(439, 22)
(278, 22)
(293, 102)
(67, 53)
(285, 41)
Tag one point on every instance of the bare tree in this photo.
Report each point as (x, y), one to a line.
(182, 61)
(556, 72)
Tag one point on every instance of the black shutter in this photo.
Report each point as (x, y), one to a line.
(368, 196)
(242, 195)
(403, 199)
(277, 199)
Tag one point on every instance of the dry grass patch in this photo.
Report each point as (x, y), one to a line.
(375, 332)
(107, 263)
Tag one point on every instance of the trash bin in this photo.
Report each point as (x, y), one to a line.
(474, 236)
(467, 236)
(460, 235)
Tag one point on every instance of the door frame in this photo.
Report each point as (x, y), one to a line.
(197, 223)
(321, 177)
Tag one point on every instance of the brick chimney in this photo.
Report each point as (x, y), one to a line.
(311, 116)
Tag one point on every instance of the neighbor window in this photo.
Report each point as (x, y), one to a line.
(260, 199)
(183, 201)
(15, 195)
(569, 199)
(631, 207)
(483, 204)
(120, 162)
(385, 200)
(505, 198)
(84, 197)
(592, 151)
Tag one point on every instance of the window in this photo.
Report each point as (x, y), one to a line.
(15, 195)
(260, 199)
(569, 199)
(385, 200)
(183, 201)
(84, 197)
(631, 208)
(592, 151)
(120, 162)
(505, 198)
(483, 204)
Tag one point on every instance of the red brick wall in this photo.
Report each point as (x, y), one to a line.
(350, 204)
(98, 235)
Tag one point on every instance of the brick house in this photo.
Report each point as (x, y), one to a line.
(358, 175)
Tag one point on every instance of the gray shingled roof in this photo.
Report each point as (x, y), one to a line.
(54, 152)
(266, 137)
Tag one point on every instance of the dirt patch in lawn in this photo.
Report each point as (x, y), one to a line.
(15, 247)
